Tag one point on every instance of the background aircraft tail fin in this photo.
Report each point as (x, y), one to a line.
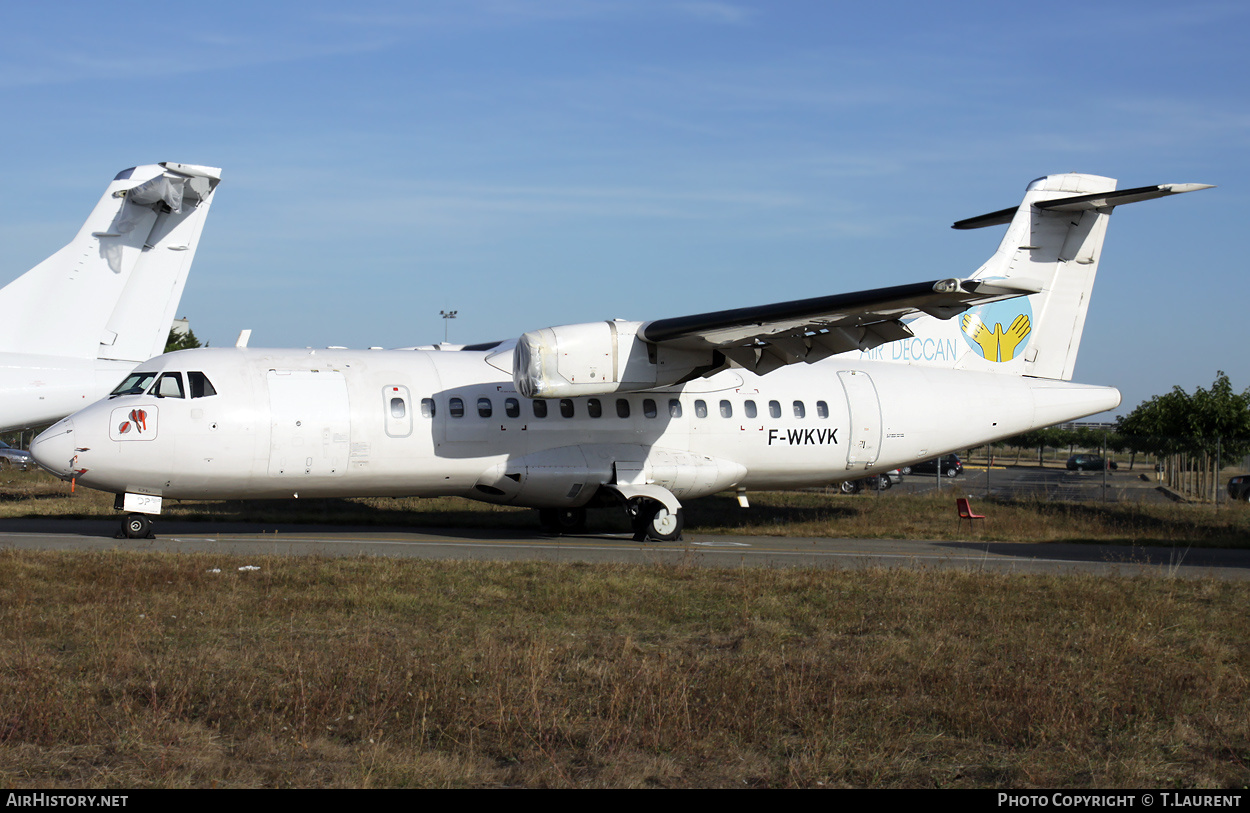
(1054, 239)
(112, 292)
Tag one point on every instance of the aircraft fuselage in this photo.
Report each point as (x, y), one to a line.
(283, 423)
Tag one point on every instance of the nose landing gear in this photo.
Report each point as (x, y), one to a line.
(135, 526)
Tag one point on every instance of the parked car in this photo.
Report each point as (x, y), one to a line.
(873, 483)
(1090, 462)
(10, 456)
(949, 464)
(1239, 488)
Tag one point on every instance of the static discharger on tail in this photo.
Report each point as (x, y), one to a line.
(638, 415)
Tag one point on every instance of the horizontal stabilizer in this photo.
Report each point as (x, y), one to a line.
(1099, 201)
(1108, 199)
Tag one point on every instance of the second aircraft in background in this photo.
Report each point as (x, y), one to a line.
(75, 324)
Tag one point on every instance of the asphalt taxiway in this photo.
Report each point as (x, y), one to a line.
(711, 550)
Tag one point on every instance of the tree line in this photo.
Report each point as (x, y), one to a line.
(1192, 435)
(1207, 421)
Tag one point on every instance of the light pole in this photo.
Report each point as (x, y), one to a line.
(447, 315)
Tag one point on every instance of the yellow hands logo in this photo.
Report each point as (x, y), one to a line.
(997, 344)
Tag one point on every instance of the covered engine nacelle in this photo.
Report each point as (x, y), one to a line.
(597, 358)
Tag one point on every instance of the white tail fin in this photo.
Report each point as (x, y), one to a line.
(1053, 242)
(113, 291)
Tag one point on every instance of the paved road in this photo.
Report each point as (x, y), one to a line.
(1056, 485)
(241, 539)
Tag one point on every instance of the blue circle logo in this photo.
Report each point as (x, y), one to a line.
(999, 331)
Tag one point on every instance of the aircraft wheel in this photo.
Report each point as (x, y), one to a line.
(562, 520)
(655, 522)
(137, 526)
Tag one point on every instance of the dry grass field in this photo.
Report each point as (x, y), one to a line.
(160, 670)
(140, 670)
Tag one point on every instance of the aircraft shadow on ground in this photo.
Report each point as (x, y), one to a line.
(722, 512)
(715, 512)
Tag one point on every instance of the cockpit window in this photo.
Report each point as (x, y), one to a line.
(169, 385)
(200, 386)
(135, 384)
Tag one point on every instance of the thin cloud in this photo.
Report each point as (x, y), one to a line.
(214, 53)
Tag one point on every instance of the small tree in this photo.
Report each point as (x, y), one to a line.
(181, 341)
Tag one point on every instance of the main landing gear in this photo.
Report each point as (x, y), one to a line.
(556, 521)
(651, 520)
(655, 522)
(135, 526)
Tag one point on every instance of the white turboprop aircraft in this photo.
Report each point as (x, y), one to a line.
(633, 414)
(77, 323)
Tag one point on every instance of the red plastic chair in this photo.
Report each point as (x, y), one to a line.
(965, 512)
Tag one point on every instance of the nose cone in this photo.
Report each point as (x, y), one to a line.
(54, 449)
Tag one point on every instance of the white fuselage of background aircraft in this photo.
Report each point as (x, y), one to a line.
(41, 389)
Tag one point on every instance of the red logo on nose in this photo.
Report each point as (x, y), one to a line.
(138, 418)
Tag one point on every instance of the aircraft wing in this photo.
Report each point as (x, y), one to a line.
(765, 337)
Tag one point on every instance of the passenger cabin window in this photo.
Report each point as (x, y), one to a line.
(799, 410)
(540, 409)
(674, 408)
(822, 409)
(398, 410)
(566, 407)
(622, 408)
(169, 385)
(135, 384)
(594, 408)
(648, 407)
(774, 409)
(749, 409)
(483, 408)
(512, 407)
(726, 409)
(199, 385)
(700, 409)
(427, 407)
(455, 407)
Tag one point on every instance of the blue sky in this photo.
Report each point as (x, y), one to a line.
(538, 163)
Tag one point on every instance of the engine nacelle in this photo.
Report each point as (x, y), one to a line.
(597, 358)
